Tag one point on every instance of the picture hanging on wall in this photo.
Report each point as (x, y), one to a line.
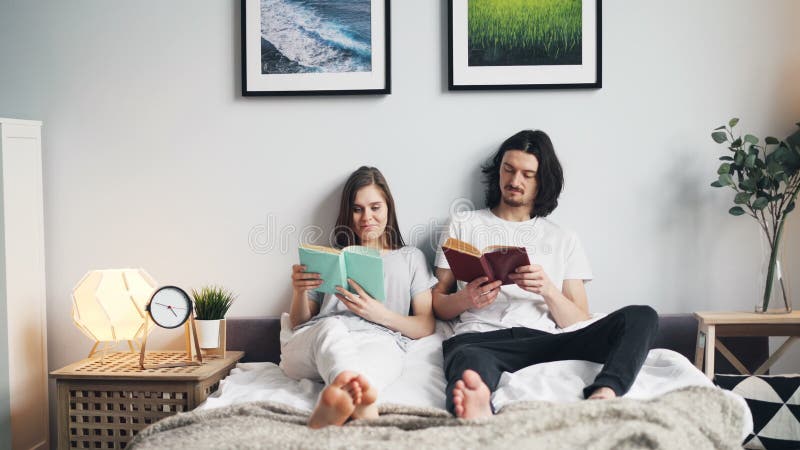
(524, 44)
(315, 47)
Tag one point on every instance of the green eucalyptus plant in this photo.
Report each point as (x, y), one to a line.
(212, 302)
(766, 179)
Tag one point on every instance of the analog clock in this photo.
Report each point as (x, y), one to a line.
(169, 307)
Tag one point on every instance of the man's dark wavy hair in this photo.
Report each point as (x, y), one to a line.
(549, 176)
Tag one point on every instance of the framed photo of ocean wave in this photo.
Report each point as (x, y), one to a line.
(524, 44)
(315, 47)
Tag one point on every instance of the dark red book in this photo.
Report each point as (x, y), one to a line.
(496, 261)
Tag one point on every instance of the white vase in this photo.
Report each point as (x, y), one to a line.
(208, 332)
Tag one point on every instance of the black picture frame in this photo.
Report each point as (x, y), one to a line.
(463, 77)
(257, 83)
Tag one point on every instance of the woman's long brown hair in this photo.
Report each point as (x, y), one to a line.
(343, 232)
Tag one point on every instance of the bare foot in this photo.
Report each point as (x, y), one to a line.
(366, 408)
(471, 397)
(337, 402)
(603, 393)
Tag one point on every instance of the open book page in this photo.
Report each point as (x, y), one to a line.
(365, 266)
(464, 260)
(461, 246)
(327, 262)
(498, 248)
(495, 262)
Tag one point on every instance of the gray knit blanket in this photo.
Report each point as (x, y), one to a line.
(691, 418)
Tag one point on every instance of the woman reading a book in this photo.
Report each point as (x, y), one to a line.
(353, 342)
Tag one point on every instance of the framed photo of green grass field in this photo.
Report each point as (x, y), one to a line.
(524, 44)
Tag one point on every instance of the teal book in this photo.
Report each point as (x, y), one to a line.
(362, 264)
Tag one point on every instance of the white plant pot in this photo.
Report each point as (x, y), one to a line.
(208, 332)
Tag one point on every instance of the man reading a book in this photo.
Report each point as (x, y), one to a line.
(542, 313)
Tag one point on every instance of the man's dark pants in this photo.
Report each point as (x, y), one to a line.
(620, 341)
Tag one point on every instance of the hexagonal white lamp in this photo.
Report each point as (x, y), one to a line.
(109, 307)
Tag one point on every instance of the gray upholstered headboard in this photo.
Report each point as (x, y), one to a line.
(258, 337)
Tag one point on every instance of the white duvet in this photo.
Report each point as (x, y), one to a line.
(422, 382)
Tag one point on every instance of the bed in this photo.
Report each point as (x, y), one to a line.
(671, 405)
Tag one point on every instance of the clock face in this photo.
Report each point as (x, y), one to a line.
(169, 307)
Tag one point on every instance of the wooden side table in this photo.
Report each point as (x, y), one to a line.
(712, 325)
(104, 401)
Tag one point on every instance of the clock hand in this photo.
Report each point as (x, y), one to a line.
(168, 306)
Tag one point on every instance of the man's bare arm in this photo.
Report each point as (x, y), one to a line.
(449, 305)
(567, 305)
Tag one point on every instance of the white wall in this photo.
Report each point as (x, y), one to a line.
(153, 159)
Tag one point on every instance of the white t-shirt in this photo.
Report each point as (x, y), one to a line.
(557, 250)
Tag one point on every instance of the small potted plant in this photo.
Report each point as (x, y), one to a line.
(211, 303)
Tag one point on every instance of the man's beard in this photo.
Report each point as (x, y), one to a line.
(512, 203)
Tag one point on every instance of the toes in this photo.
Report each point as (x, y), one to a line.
(353, 389)
(458, 399)
(362, 380)
(344, 378)
(368, 393)
(471, 379)
(364, 384)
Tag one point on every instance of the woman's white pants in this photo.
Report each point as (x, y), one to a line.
(327, 348)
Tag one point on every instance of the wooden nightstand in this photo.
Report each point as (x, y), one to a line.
(712, 325)
(104, 401)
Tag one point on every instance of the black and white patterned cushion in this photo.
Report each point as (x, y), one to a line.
(774, 402)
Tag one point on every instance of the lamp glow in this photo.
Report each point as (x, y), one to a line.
(109, 306)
